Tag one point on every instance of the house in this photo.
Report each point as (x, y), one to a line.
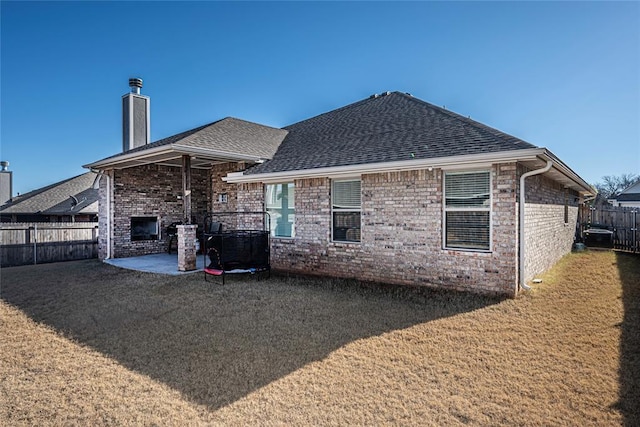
(70, 200)
(629, 197)
(389, 189)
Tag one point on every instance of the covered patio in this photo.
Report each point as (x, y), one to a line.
(150, 189)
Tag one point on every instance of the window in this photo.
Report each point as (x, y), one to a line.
(280, 204)
(467, 210)
(345, 206)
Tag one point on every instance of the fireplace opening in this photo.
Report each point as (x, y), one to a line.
(144, 228)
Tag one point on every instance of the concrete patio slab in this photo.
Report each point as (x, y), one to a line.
(155, 263)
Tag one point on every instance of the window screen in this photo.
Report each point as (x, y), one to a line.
(346, 206)
(467, 190)
(467, 210)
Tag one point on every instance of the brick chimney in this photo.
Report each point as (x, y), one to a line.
(135, 117)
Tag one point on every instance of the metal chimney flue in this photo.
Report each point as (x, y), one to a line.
(135, 84)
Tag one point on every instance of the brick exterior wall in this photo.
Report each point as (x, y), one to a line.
(547, 237)
(401, 234)
(219, 187)
(187, 247)
(147, 191)
(233, 192)
(402, 225)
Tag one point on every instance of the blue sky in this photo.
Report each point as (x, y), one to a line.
(561, 75)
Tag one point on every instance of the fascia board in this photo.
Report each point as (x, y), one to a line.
(452, 162)
(113, 162)
(172, 149)
(568, 172)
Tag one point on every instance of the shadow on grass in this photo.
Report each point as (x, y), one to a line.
(629, 404)
(214, 343)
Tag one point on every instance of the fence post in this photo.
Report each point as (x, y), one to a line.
(634, 232)
(32, 234)
(35, 243)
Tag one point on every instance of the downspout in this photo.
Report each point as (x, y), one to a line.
(521, 239)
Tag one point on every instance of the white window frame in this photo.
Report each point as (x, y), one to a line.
(446, 209)
(273, 220)
(348, 209)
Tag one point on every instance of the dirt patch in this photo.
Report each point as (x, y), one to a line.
(83, 342)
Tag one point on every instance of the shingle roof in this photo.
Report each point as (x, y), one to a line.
(71, 196)
(632, 189)
(229, 135)
(386, 128)
(629, 194)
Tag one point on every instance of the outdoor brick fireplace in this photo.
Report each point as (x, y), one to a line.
(144, 228)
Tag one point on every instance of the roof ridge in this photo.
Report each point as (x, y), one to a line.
(190, 132)
(250, 122)
(183, 134)
(353, 104)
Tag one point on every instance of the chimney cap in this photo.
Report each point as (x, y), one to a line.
(4, 165)
(135, 82)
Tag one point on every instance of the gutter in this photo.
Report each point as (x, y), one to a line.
(450, 162)
(524, 176)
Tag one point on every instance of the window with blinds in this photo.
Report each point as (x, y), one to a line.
(467, 210)
(345, 207)
(280, 204)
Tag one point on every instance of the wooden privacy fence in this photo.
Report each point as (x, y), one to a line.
(37, 243)
(624, 222)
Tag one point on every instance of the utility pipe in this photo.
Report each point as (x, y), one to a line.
(523, 285)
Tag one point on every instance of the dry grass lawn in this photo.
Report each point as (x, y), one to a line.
(85, 343)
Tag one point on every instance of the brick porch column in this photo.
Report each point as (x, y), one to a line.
(187, 247)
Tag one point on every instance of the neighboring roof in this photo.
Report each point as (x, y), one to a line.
(229, 139)
(629, 194)
(632, 189)
(384, 128)
(629, 197)
(69, 197)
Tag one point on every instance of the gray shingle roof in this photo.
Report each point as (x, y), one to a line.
(57, 198)
(229, 135)
(391, 127)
